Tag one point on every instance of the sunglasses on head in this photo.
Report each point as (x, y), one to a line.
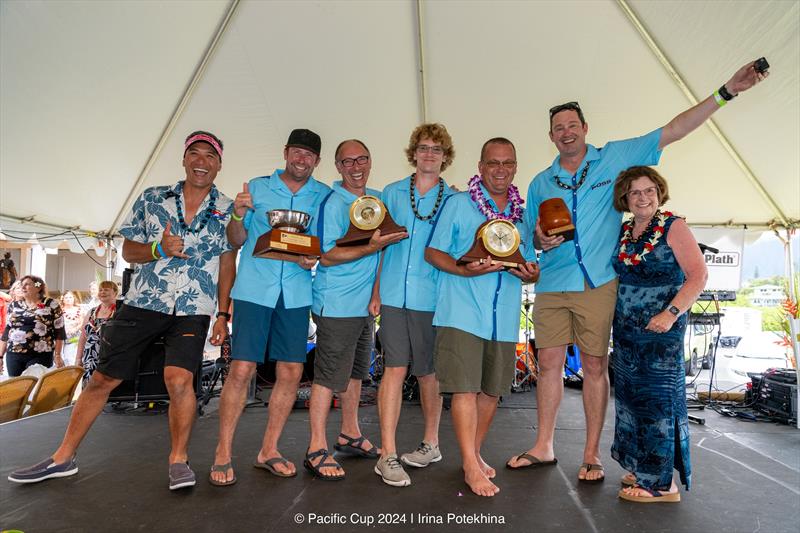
(569, 106)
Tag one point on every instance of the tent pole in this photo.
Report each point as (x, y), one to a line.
(176, 114)
(665, 62)
(794, 323)
(421, 49)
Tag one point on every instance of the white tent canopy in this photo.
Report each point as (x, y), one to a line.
(96, 97)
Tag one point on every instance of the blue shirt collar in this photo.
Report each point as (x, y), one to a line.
(493, 205)
(592, 154)
(405, 185)
(276, 183)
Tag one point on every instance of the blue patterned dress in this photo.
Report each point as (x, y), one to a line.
(651, 437)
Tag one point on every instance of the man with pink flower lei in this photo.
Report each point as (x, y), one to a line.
(576, 296)
(477, 308)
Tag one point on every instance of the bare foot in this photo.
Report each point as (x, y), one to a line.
(222, 477)
(487, 470)
(287, 468)
(628, 479)
(480, 484)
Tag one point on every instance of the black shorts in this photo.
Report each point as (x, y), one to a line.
(132, 331)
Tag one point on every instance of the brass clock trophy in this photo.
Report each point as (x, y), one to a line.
(554, 219)
(286, 241)
(367, 213)
(499, 239)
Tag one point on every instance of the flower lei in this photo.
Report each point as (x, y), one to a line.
(656, 226)
(488, 211)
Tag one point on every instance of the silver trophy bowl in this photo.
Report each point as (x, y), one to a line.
(288, 220)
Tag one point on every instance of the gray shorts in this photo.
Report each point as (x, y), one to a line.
(344, 346)
(408, 336)
(467, 363)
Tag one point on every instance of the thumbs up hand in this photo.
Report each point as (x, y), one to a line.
(172, 244)
(243, 201)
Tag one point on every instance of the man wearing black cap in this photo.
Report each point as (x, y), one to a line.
(175, 239)
(272, 300)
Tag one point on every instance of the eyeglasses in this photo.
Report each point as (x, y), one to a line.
(350, 161)
(638, 193)
(424, 149)
(569, 106)
(494, 164)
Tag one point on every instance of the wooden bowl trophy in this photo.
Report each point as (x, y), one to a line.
(367, 213)
(286, 240)
(554, 219)
(499, 239)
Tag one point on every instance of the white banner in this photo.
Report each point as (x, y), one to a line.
(724, 267)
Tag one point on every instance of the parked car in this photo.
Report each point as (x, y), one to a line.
(752, 352)
(698, 346)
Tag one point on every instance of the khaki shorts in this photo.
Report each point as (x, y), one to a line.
(582, 318)
(466, 363)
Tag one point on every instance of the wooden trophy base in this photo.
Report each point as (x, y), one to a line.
(355, 236)
(568, 232)
(286, 245)
(478, 252)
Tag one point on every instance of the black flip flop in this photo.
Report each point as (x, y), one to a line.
(533, 462)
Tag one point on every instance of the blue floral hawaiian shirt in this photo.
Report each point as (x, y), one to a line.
(174, 285)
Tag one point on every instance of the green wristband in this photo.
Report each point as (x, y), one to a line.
(153, 250)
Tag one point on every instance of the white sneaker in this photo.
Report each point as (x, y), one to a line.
(424, 455)
(392, 472)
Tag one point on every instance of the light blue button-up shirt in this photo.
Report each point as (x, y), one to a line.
(342, 290)
(173, 284)
(488, 305)
(407, 280)
(259, 280)
(588, 256)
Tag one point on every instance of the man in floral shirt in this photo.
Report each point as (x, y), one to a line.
(175, 237)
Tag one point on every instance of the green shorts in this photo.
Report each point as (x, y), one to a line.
(466, 363)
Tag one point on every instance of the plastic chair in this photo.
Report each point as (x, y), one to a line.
(14, 397)
(56, 389)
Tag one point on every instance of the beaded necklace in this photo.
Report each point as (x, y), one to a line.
(212, 207)
(580, 182)
(414, 199)
(656, 227)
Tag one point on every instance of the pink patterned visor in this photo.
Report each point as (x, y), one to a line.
(200, 137)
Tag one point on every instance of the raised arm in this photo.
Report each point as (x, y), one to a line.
(691, 119)
(236, 231)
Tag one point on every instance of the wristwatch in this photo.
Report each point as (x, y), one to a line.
(674, 310)
(225, 314)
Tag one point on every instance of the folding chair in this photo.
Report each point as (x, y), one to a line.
(14, 396)
(56, 389)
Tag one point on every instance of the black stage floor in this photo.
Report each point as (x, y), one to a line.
(746, 478)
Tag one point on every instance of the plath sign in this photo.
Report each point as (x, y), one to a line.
(722, 259)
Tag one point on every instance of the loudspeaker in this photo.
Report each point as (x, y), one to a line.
(149, 382)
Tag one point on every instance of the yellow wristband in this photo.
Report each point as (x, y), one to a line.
(236, 217)
(153, 250)
(719, 99)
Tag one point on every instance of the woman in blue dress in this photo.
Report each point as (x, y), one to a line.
(661, 273)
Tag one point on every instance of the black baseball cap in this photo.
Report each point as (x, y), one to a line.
(307, 139)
